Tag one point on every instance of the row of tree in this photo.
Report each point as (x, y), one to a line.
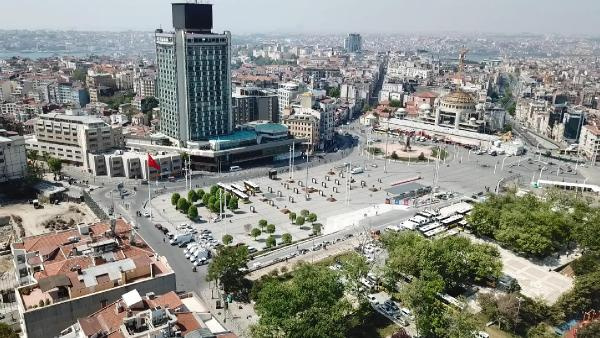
(212, 201)
(36, 164)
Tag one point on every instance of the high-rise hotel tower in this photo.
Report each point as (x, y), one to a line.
(194, 77)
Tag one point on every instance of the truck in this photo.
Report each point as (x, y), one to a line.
(181, 239)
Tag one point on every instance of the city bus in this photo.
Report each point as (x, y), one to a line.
(251, 186)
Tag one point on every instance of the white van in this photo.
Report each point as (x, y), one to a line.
(234, 168)
(357, 170)
(181, 239)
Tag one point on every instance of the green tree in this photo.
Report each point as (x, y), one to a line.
(286, 238)
(354, 268)
(215, 207)
(7, 332)
(455, 259)
(227, 239)
(300, 220)
(55, 166)
(200, 193)
(271, 228)
(206, 200)
(255, 233)
(304, 213)
(394, 156)
(395, 103)
(262, 224)
(192, 212)
(232, 203)
(584, 295)
(591, 330)
(422, 297)
(183, 205)
(79, 75)
(310, 304)
(148, 104)
(421, 157)
(292, 216)
(192, 196)
(213, 190)
(587, 230)
(333, 92)
(228, 266)
(312, 217)
(316, 228)
(270, 242)
(461, 323)
(175, 198)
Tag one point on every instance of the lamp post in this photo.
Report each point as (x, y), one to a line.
(541, 170)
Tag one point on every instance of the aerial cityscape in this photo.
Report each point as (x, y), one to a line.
(341, 169)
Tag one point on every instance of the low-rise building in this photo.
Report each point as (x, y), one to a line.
(135, 315)
(304, 126)
(135, 165)
(72, 138)
(13, 157)
(72, 273)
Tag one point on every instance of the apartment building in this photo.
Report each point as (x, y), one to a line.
(304, 126)
(73, 273)
(287, 93)
(13, 157)
(589, 142)
(72, 138)
(124, 80)
(145, 85)
(254, 104)
(150, 315)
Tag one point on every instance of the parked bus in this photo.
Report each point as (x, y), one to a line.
(238, 187)
(240, 194)
(251, 186)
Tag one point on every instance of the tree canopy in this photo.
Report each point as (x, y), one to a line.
(310, 304)
(227, 267)
(530, 225)
(455, 259)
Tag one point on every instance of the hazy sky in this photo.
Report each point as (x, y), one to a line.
(320, 16)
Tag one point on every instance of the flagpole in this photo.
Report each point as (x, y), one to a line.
(149, 189)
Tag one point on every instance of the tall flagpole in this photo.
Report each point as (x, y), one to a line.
(149, 188)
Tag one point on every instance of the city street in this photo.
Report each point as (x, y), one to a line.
(463, 172)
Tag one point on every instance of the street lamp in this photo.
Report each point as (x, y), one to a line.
(541, 170)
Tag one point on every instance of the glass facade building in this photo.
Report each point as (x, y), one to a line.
(194, 83)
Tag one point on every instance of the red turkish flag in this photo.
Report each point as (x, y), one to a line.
(152, 163)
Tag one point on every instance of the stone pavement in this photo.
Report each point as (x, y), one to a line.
(536, 281)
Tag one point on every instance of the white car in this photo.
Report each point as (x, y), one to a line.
(200, 261)
(146, 214)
